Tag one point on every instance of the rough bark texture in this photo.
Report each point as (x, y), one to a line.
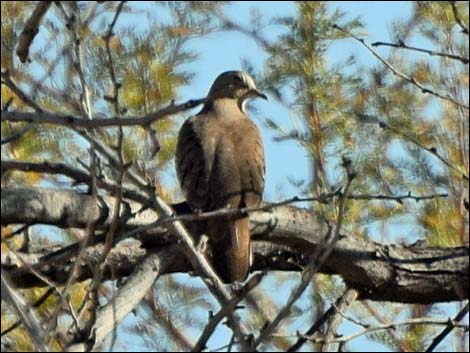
(283, 239)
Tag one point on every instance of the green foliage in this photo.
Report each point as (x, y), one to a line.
(340, 111)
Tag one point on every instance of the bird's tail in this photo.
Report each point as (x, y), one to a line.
(230, 243)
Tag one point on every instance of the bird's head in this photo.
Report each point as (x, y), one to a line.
(238, 85)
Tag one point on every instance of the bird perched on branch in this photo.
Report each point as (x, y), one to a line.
(220, 163)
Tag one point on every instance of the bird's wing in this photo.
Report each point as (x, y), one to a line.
(191, 164)
(250, 159)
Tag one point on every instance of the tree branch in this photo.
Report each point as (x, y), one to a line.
(402, 45)
(283, 239)
(69, 120)
(347, 297)
(400, 74)
(457, 17)
(451, 325)
(25, 312)
(31, 28)
(335, 320)
(224, 311)
(128, 296)
(393, 325)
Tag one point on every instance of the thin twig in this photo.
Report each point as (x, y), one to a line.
(317, 259)
(228, 24)
(90, 231)
(199, 261)
(8, 81)
(402, 45)
(457, 17)
(41, 300)
(318, 324)
(164, 319)
(325, 198)
(93, 304)
(394, 336)
(431, 150)
(450, 326)
(25, 312)
(16, 135)
(394, 325)
(400, 74)
(77, 175)
(110, 65)
(224, 311)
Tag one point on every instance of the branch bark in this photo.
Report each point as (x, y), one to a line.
(74, 121)
(108, 317)
(284, 238)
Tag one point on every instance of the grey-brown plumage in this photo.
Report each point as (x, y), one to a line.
(220, 163)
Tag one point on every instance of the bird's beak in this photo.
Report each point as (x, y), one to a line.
(256, 93)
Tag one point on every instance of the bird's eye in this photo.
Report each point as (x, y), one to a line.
(238, 78)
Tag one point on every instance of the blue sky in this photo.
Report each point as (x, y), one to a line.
(224, 51)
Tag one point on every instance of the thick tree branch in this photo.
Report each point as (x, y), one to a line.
(284, 237)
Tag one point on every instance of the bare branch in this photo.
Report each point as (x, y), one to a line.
(283, 239)
(77, 175)
(431, 150)
(316, 260)
(457, 17)
(400, 74)
(128, 296)
(66, 207)
(402, 45)
(224, 311)
(451, 325)
(31, 28)
(335, 320)
(72, 121)
(25, 312)
(393, 325)
(348, 296)
(41, 300)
